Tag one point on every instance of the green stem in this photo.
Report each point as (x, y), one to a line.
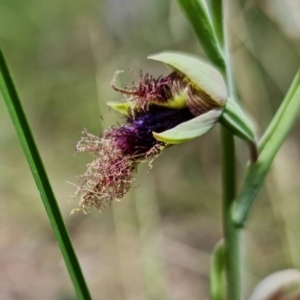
(197, 14)
(40, 176)
(231, 233)
(217, 17)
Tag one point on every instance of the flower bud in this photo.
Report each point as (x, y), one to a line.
(282, 285)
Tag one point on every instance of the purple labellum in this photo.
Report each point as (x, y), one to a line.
(136, 138)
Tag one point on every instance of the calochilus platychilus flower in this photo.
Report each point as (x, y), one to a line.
(159, 112)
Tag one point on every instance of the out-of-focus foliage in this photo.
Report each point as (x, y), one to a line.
(63, 55)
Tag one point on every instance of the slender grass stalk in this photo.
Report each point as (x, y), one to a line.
(126, 234)
(40, 176)
(151, 239)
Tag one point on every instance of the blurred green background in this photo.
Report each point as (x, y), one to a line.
(155, 243)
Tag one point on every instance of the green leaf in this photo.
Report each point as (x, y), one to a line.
(197, 14)
(217, 267)
(275, 135)
(191, 129)
(40, 176)
(121, 107)
(200, 73)
(276, 119)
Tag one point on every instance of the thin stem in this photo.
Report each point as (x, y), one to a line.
(198, 16)
(40, 176)
(231, 233)
(217, 17)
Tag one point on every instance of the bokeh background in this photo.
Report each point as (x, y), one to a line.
(155, 243)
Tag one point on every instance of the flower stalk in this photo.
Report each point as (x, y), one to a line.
(232, 234)
(230, 231)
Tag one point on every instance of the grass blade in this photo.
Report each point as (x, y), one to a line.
(197, 14)
(40, 176)
(269, 146)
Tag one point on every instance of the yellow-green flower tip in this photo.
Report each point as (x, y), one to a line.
(121, 107)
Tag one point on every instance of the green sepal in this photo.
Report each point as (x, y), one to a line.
(204, 76)
(191, 129)
(237, 122)
(121, 107)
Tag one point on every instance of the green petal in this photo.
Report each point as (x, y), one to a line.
(201, 74)
(191, 129)
(120, 107)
